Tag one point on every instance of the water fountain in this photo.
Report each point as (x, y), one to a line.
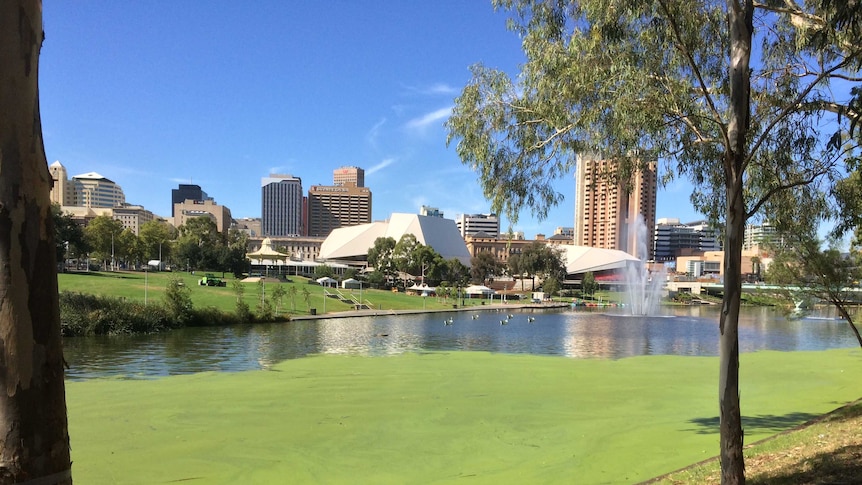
(644, 290)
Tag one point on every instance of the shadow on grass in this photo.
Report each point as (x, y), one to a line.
(102, 274)
(764, 423)
(843, 465)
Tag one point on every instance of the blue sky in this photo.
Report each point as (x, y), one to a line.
(220, 94)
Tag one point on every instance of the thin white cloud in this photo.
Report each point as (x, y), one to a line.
(380, 166)
(435, 117)
(436, 89)
(374, 132)
(282, 170)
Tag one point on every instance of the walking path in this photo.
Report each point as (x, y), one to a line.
(471, 308)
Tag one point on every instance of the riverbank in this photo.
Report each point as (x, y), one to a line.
(497, 307)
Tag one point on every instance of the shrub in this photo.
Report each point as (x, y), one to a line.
(82, 314)
(178, 300)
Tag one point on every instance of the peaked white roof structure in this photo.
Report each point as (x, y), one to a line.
(352, 243)
(582, 259)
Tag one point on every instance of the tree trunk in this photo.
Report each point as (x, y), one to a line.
(732, 463)
(740, 14)
(846, 316)
(34, 440)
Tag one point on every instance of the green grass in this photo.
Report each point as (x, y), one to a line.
(138, 285)
(439, 418)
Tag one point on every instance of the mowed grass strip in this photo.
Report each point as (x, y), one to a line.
(440, 418)
(136, 285)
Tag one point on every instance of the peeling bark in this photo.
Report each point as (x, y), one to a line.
(740, 14)
(34, 440)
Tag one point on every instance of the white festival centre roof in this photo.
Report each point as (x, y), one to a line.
(352, 243)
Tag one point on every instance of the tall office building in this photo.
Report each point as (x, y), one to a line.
(331, 207)
(486, 225)
(430, 211)
(606, 211)
(671, 237)
(192, 208)
(62, 191)
(185, 192)
(281, 205)
(86, 190)
(348, 175)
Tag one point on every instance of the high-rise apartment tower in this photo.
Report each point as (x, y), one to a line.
(607, 209)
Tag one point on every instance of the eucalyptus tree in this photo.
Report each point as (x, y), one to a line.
(589, 286)
(34, 437)
(483, 267)
(515, 267)
(824, 274)
(68, 235)
(199, 243)
(405, 254)
(380, 256)
(730, 95)
(155, 237)
(102, 235)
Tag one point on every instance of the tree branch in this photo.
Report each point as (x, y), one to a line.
(790, 108)
(778, 188)
(680, 45)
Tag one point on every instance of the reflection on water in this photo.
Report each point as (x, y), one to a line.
(576, 334)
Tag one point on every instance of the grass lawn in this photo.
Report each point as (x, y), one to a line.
(138, 285)
(440, 418)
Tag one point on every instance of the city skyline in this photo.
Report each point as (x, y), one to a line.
(156, 95)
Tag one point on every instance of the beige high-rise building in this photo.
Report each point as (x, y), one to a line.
(606, 212)
(190, 209)
(331, 207)
(62, 190)
(86, 190)
(348, 176)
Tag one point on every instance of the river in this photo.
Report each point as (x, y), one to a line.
(567, 333)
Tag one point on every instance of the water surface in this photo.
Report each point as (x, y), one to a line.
(573, 334)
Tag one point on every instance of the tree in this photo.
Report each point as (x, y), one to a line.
(821, 274)
(405, 255)
(243, 312)
(291, 292)
(199, 244)
(551, 286)
(323, 271)
(155, 237)
(457, 274)
(68, 235)
(264, 306)
(670, 81)
(103, 236)
(306, 297)
(129, 248)
(380, 256)
(178, 301)
(277, 295)
(589, 286)
(483, 267)
(516, 267)
(232, 255)
(33, 425)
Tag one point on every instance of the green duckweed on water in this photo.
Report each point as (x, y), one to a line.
(466, 417)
